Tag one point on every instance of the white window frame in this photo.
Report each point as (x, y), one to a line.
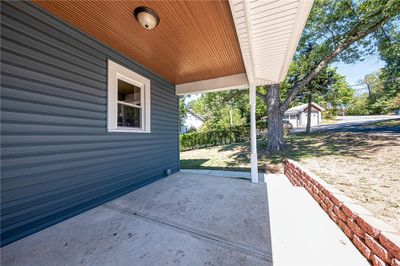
(117, 72)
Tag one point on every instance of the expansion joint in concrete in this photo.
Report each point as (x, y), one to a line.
(198, 234)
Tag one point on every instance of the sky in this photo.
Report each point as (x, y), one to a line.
(352, 72)
(357, 71)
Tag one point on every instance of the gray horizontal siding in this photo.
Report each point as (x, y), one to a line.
(57, 158)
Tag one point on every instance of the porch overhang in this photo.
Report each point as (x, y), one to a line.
(268, 34)
(199, 45)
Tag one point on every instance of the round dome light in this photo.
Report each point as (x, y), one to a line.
(146, 17)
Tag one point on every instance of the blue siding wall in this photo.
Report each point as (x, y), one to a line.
(57, 158)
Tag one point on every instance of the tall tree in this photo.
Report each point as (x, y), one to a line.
(319, 85)
(389, 50)
(336, 30)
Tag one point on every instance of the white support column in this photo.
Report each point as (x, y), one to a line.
(253, 134)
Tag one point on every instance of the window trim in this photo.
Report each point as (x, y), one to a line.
(117, 72)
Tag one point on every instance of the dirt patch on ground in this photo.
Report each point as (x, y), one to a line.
(369, 171)
(365, 167)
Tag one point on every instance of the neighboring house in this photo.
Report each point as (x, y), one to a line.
(89, 105)
(297, 115)
(192, 121)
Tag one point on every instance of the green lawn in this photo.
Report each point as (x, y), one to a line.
(300, 146)
(388, 123)
(364, 166)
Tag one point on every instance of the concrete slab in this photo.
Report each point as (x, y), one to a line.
(194, 219)
(185, 219)
(104, 236)
(302, 233)
(230, 174)
(231, 210)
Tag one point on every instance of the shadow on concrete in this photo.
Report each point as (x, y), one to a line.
(184, 219)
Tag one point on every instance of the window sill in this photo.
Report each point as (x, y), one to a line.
(129, 130)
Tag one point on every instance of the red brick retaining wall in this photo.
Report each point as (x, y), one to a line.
(377, 241)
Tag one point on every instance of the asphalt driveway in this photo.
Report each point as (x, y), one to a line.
(358, 124)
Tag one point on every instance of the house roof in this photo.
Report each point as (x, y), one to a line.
(303, 107)
(198, 45)
(196, 115)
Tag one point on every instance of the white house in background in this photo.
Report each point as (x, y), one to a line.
(192, 120)
(297, 115)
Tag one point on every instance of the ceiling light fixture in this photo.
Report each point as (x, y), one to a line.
(146, 17)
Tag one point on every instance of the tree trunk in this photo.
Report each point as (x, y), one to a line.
(275, 123)
(369, 90)
(308, 128)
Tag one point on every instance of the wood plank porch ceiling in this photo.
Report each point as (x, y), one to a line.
(195, 40)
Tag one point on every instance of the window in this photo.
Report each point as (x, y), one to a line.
(128, 100)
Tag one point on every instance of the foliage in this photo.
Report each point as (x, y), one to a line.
(329, 114)
(332, 23)
(199, 140)
(329, 89)
(182, 111)
(339, 97)
(377, 99)
(327, 30)
(389, 50)
(344, 31)
(384, 85)
(215, 107)
(380, 99)
(394, 103)
(359, 106)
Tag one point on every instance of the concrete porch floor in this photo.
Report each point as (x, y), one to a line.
(194, 219)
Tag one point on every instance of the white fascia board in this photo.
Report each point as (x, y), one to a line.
(300, 22)
(238, 81)
(259, 25)
(239, 12)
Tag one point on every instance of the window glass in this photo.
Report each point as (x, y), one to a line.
(128, 93)
(129, 105)
(128, 116)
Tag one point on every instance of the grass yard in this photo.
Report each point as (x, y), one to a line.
(388, 123)
(365, 167)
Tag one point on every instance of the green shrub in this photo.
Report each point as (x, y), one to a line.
(329, 114)
(199, 140)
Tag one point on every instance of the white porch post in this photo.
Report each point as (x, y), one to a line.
(253, 134)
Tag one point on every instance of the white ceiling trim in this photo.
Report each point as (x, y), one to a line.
(259, 44)
(233, 82)
(238, 81)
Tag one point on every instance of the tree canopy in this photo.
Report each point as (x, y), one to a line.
(346, 31)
